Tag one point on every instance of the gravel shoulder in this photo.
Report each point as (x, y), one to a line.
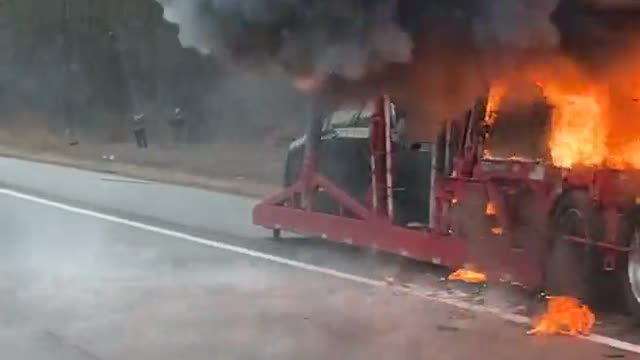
(249, 169)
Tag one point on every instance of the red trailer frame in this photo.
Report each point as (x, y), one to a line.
(370, 224)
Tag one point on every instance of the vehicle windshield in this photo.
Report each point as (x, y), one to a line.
(352, 117)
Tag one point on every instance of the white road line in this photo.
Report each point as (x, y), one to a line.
(604, 340)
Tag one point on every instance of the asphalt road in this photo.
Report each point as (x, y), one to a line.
(77, 284)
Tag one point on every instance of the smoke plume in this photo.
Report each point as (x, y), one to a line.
(346, 38)
(352, 38)
(436, 56)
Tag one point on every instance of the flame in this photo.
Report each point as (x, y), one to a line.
(579, 133)
(496, 94)
(595, 119)
(593, 128)
(566, 316)
(491, 208)
(468, 276)
(497, 231)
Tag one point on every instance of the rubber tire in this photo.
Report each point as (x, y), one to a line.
(570, 268)
(630, 304)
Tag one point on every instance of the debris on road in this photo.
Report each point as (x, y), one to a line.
(408, 286)
(468, 276)
(614, 356)
(447, 328)
(566, 316)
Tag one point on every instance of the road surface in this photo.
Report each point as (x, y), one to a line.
(96, 266)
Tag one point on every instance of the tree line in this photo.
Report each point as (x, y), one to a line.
(90, 65)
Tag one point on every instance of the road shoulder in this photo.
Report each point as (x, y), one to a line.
(232, 185)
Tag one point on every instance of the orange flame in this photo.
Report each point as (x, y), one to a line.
(491, 208)
(496, 94)
(566, 316)
(592, 128)
(497, 231)
(595, 118)
(579, 134)
(468, 276)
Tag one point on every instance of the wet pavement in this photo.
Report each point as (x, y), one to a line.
(74, 286)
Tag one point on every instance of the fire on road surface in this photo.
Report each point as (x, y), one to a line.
(464, 329)
(469, 276)
(565, 315)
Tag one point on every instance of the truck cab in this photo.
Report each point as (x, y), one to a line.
(344, 157)
(521, 220)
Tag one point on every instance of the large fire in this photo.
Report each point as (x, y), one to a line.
(565, 315)
(595, 118)
(589, 129)
(579, 133)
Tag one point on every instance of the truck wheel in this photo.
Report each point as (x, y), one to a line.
(569, 265)
(629, 268)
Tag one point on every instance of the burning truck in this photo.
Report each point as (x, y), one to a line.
(533, 172)
(537, 183)
(560, 223)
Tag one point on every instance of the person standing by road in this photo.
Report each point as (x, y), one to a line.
(177, 125)
(139, 131)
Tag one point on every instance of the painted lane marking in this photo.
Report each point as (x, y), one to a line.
(422, 293)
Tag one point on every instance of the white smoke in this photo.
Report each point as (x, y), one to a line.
(341, 38)
(194, 31)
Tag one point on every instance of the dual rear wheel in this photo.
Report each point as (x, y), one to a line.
(629, 267)
(571, 267)
(576, 269)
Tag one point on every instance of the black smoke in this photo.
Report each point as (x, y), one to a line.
(595, 33)
(353, 38)
(435, 55)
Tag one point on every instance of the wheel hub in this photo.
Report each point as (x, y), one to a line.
(633, 267)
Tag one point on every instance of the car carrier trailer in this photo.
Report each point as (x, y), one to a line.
(570, 231)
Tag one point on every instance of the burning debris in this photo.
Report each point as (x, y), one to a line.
(490, 209)
(468, 276)
(566, 316)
